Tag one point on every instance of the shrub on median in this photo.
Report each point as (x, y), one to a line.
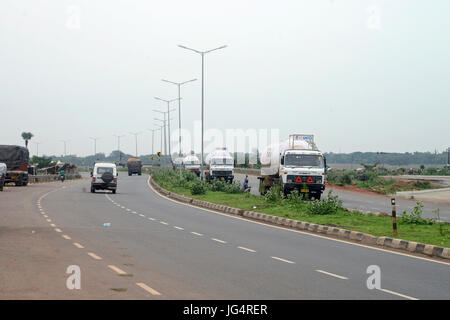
(330, 205)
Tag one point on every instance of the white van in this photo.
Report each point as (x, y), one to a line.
(104, 177)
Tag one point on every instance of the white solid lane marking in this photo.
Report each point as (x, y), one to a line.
(332, 274)
(247, 249)
(65, 236)
(162, 222)
(281, 259)
(93, 255)
(179, 228)
(119, 271)
(218, 240)
(148, 289)
(76, 244)
(196, 233)
(398, 294)
(58, 230)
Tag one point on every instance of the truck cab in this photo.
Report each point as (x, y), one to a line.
(221, 168)
(295, 164)
(303, 170)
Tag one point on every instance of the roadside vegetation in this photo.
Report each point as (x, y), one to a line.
(328, 211)
(374, 181)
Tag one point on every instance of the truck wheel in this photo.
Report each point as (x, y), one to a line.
(114, 191)
(19, 182)
(92, 190)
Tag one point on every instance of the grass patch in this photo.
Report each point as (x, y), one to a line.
(436, 234)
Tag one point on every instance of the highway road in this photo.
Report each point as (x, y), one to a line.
(369, 202)
(155, 248)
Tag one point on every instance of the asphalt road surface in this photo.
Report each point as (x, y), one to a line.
(369, 202)
(155, 248)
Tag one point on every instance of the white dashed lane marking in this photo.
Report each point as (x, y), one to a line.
(148, 289)
(247, 249)
(398, 294)
(218, 240)
(93, 255)
(58, 230)
(196, 233)
(179, 228)
(283, 260)
(119, 271)
(65, 236)
(76, 244)
(332, 275)
(162, 222)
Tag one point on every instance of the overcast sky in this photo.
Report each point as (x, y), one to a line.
(360, 75)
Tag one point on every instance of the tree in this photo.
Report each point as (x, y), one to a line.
(27, 136)
(43, 162)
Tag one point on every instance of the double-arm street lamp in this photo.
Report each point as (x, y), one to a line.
(202, 53)
(179, 84)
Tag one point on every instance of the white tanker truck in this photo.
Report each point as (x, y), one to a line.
(295, 163)
(192, 163)
(220, 165)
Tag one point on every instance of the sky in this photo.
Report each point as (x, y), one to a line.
(360, 75)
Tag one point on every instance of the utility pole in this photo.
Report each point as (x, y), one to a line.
(202, 53)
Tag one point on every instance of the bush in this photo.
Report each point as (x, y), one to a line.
(274, 194)
(415, 217)
(329, 206)
(233, 187)
(198, 187)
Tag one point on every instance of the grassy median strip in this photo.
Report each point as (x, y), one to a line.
(292, 208)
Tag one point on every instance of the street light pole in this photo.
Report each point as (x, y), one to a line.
(64, 141)
(202, 53)
(37, 148)
(95, 145)
(135, 137)
(118, 145)
(179, 84)
(168, 117)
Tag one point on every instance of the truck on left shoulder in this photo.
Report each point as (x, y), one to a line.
(16, 159)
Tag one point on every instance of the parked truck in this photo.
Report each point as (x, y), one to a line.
(134, 165)
(16, 159)
(220, 165)
(192, 163)
(295, 164)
